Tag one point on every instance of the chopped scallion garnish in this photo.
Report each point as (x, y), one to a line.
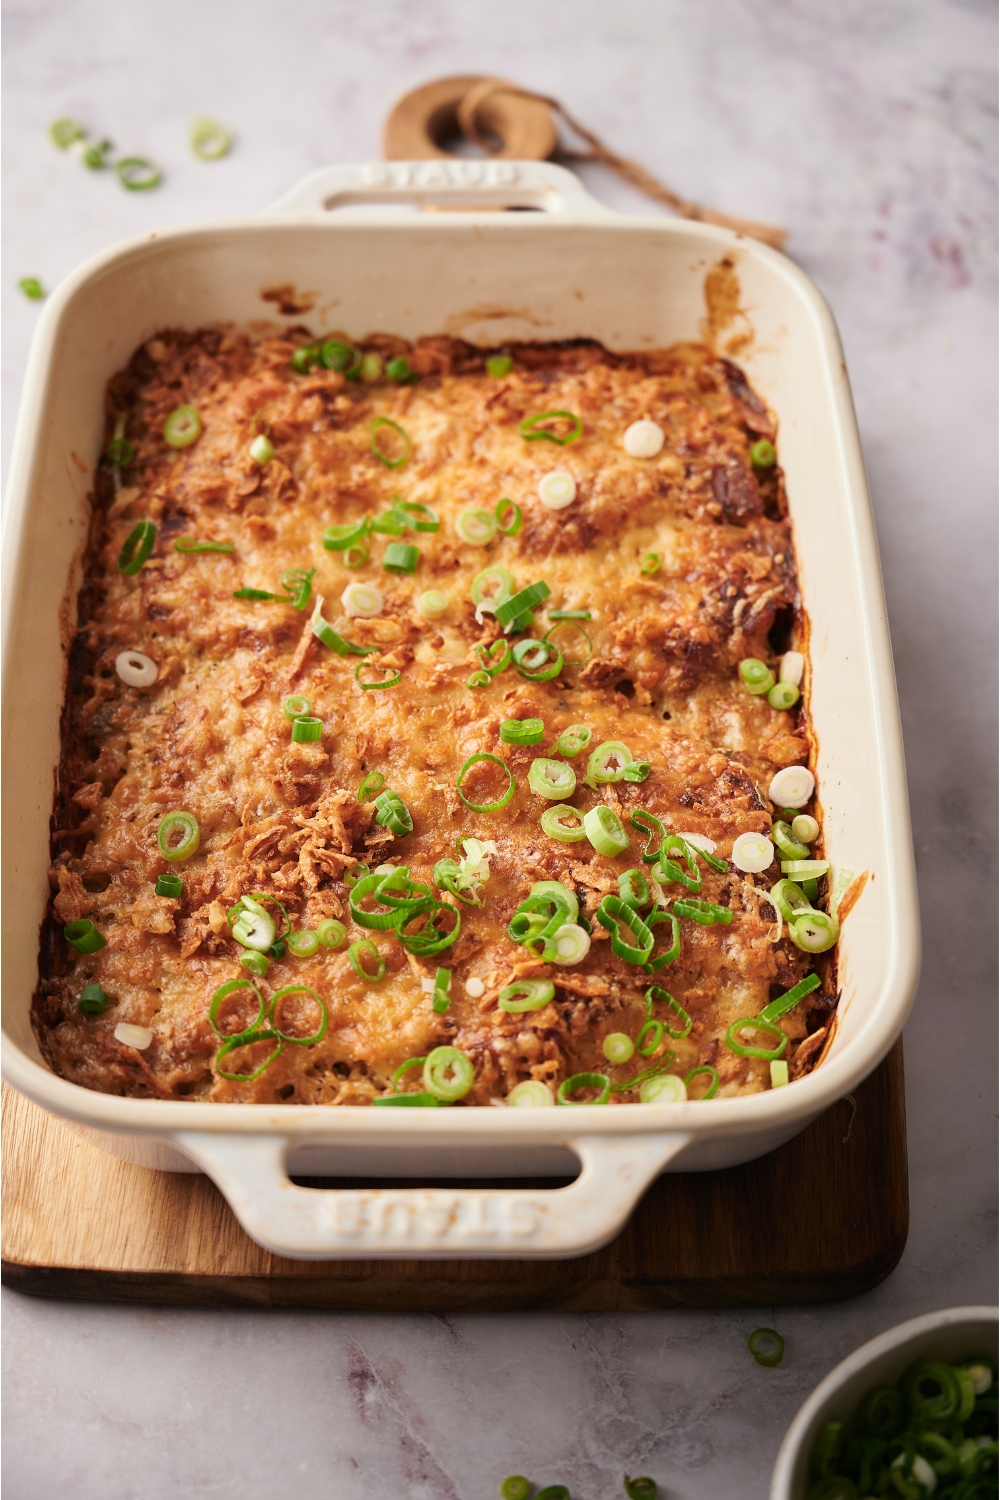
(377, 425)
(32, 288)
(209, 140)
(137, 547)
(532, 428)
(400, 557)
(138, 174)
(522, 731)
(483, 757)
(178, 836)
(192, 544)
(182, 427)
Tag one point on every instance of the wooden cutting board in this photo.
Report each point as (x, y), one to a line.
(822, 1218)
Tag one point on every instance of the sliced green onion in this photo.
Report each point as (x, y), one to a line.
(303, 359)
(448, 1074)
(572, 661)
(296, 706)
(618, 1048)
(331, 933)
(306, 729)
(805, 869)
(756, 675)
(654, 994)
(605, 831)
(522, 731)
(779, 1075)
(192, 544)
(526, 994)
(93, 154)
(756, 1023)
(344, 358)
(637, 770)
(813, 931)
(169, 885)
(248, 1039)
(432, 604)
(787, 843)
(531, 1094)
(478, 527)
(32, 288)
(615, 915)
(704, 912)
(340, 538)
(552, 779)
(607, 763)
(64, 132)
(364, 951)
(499, 365)
(299, 989)
(633, 888)
(484, 756)
(570, 614)
(508, 517)
(783, 696)
(663, 1088)
(791, 788)
(138, 174)
(259, 595)
(370, 786)
(255, 963)
(209, 139)
(389, 523)
(671, 954)
(557, 489)
(713, 1086)
(93, 1000)
(378, 921)
(574, 739)
(805, 828)
(392, 812)
(223, 993)
(303, 944)
(650, 564)
(531, 428)
(752, 852)
(262, 450)
(483, 593)
(393, 678)
(417, 1101)
(182, 427)
(669, 871)
(429, 939)
(572, 944)
(178, 835)
(411, 1062)
(400, 557)
(375, 427)
(137, 547)
(370, 367)
(649, 1038)
(521, 603)
(775, 1009)
(442, 984)
(654, 831)
(764, 1344)
(563, 823)
(762, 454)
(252, 925)
(478, 680)
(398, 369)
(120, 452)
(642, 1488)
(489, 660)
(298, 584)
(83, 936)
(584, 1081)
(538, 661)
(425, 519)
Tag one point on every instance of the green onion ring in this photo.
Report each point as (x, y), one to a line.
(486, 656)
(552, 823)
(306, 729)
(607, 763)
(572, 661)
(169, 885)
(192, 544)
(574, 739)
(536, 670)
(495, 574)
(515, 1486)
(93, 1000)
(303, 943)
(584, 1081)
(356, 556)
(426, 519)
(84, 936)
(341, 538)
(653, 965)
(209, 140)
(372, 784)
(119, 452)
(652, 828)
(411, 1062)
(221, 994)
(704, 912)
(655, 1031)
(286, 1036)
(259, 896)
(633, 889)
(813, 931)
(605, 831)
(296, 706)
(247, 1039)
(641, 1488)
(669, 871)
(766, 1346)
(650, 564)
(378, 921)
(786, 1002)
(418, 1101)
(486, 807)
(364, 948)
(346, 360)
(182, 427)
(552, 779)
(401, 558)
(391, 681)
(654, 994)
(137, 174)
(755, 1023)
(478, 680)
(514, 518)
(613, 914)
(137, 547)
(392, 812)
(429, 940)
(331, 933)
(187, 824)
(530, 430)
(713, 1087)
(448, 1074)
(522, 731)
(521, 602)
(526, 994)
(375, 426)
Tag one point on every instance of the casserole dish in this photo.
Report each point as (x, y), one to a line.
(569, 268)
(956, 1333)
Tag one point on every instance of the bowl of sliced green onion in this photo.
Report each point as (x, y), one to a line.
(911, 1414)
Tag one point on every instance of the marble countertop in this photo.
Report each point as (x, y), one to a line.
(868, 128)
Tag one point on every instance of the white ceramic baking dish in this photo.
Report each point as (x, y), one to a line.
(955, 1333)
(349, 237)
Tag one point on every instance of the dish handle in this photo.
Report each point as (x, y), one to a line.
(366, 1223)
(456, 183)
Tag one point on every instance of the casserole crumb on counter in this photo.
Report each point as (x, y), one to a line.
(348, 483)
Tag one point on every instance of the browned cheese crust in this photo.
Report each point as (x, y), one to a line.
(282, 818)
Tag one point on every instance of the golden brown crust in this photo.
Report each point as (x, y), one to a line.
(282, 818)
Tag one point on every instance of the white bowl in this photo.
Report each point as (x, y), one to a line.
(953, 1334)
